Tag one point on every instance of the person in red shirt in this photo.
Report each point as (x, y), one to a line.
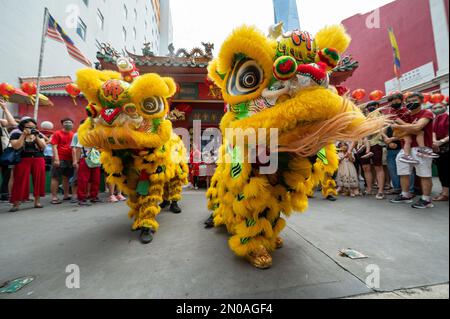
(422, 121)
(62, 166)
(441, 146)
(402, 115)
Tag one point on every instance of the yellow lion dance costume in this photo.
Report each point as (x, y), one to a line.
(140, 152)
(283, 83)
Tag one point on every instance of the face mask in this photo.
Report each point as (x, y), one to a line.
(413, 106)
(68, 127)
(439, 110)
(396, 105)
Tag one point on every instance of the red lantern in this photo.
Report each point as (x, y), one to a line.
(29, 88)
(426, 97)
(437, 98)
(376, 95)
(446, 100)
(6, 90)
(73, 91)
(359, 94)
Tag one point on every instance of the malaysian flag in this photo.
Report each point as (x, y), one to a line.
(55, 32)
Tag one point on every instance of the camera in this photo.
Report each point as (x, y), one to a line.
(34, 131)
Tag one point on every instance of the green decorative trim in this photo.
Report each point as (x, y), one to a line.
(221, 75)
(156, 125)
(322, 155)
(240, 197)
(250, 222)
(244, 241)
(236, 165)
(142, 188)
(241, 110)
(239, 56)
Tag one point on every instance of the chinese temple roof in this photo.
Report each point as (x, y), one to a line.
(196, 60)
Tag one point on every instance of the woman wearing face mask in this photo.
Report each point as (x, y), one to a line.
(441, 146)
(32, 144)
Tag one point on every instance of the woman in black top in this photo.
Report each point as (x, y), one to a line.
(32, 145)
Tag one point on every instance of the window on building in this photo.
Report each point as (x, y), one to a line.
(100, 19)
(124, 33)
(125, 10)
(81, 29)
(135, 15)
(86, 2)
(134, 33)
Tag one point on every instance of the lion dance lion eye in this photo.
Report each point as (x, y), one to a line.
(153, 105)
(245, 78)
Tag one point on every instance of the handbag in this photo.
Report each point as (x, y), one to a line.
(93, 158)
(10, 156)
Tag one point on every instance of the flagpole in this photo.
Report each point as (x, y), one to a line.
(41, 59)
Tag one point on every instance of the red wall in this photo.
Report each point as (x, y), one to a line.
(63, 108)
(411, 20)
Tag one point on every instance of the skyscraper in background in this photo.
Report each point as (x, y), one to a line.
(286, 11)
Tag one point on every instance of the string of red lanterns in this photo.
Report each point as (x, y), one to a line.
(377, 95)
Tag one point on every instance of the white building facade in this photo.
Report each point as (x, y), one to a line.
(125, 24)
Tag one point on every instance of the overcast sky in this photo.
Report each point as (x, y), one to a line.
(195, 21)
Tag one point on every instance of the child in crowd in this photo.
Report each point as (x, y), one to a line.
(115, 195)
(347, 177)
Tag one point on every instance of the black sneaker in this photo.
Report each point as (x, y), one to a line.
(331, 198)
(146, 236)
(96, 200)
(401, 199)
(422, 204)
(174, 208)
(164, 204)
(209, 223)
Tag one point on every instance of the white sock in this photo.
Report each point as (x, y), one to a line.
(406, 194)
(426, 198)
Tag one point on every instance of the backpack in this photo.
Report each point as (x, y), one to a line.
(93, 158)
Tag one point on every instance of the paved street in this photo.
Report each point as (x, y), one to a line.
(409, 247)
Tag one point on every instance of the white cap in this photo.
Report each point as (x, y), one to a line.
(47, 125)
